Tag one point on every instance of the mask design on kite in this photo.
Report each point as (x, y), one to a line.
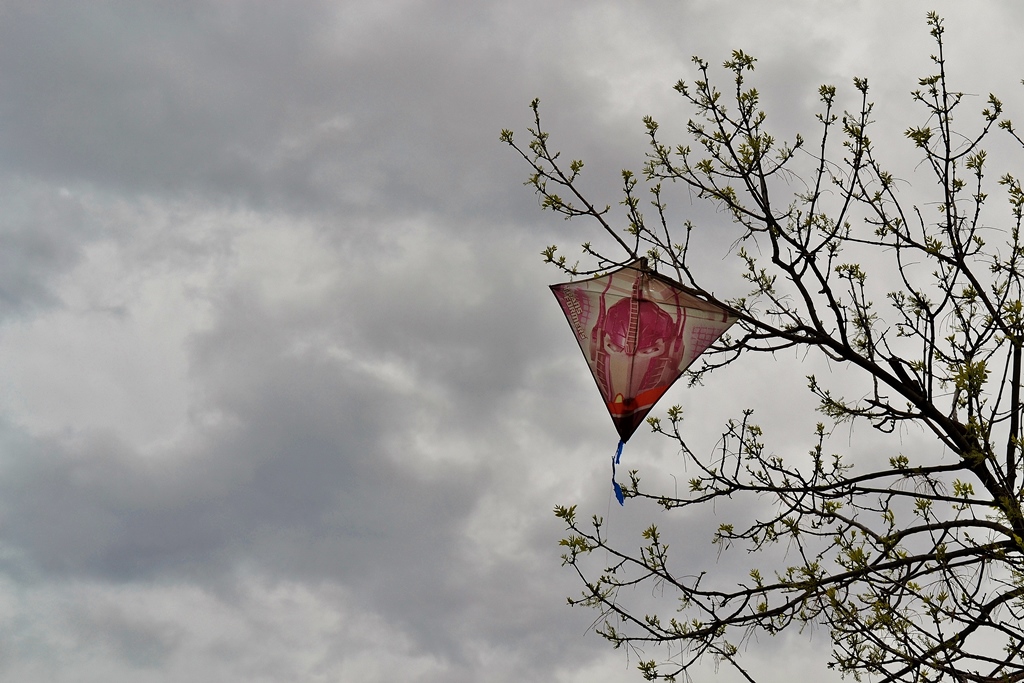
(633, 351)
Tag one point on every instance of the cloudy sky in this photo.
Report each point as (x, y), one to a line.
(283, 393)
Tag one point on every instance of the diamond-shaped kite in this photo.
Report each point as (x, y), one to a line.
(639, 332)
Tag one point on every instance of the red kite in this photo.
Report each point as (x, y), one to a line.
(639, 331)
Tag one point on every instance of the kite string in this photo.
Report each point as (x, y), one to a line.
(615, 485)
(618, 496)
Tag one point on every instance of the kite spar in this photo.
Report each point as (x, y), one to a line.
(639, 332)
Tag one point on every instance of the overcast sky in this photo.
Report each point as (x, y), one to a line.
(283, 393)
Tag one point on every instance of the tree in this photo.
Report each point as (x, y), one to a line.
(913, 562)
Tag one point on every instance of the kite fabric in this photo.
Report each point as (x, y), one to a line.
(639, 332)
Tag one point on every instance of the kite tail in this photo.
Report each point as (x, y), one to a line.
(615, 485)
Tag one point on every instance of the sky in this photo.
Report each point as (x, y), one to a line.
(284, 395)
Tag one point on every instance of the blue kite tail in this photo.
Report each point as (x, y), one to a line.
(615, 485)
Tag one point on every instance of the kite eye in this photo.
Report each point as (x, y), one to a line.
(611, 347)
(655, 349)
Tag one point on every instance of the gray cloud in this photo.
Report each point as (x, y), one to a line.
(285, 395)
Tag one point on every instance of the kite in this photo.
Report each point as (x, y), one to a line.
(639, 332)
